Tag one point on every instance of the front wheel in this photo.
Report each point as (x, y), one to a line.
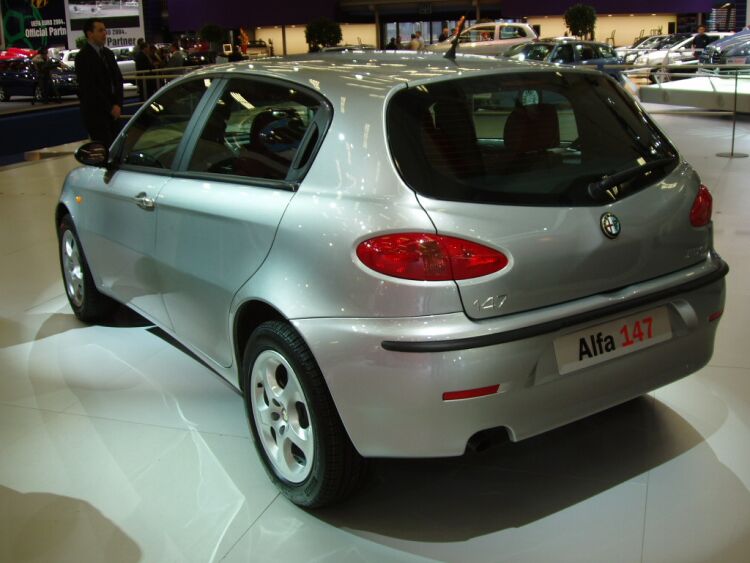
(296, 428)
(87, 303)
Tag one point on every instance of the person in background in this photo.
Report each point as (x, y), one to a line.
(44, 71)
(421, 41)
(138, 46)
(144, 66)
(176, 56)
(99, 84)
(443, 35)
(391, 45)
(701, 40)
(414, 43)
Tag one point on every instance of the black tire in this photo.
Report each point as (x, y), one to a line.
(4, 96)
(38, 95)
(88, 304)
(336, 469)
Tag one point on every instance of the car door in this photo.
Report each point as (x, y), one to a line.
(118, 231)
(20, 82)
(218, 218)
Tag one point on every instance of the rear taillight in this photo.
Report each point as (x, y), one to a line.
(427, 257)
(700, 214)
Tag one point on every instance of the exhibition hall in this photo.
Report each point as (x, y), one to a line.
(374, 280)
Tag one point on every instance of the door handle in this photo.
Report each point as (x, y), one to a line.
(144, 202)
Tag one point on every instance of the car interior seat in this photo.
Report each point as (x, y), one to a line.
(532, 129)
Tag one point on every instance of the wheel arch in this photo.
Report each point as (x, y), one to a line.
(250, 316)
(61, 211)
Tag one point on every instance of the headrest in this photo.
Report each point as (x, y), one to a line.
(532, 128)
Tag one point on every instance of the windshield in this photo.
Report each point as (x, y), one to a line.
(532, 138)
(672, 40)
(529, 51)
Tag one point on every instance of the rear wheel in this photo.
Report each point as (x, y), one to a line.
(296, 428)
(88, 304)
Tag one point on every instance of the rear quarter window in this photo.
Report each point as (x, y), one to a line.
(533, 138)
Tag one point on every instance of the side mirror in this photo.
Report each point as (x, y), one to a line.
(93, 154)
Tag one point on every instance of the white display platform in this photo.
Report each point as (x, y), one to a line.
(708, 92)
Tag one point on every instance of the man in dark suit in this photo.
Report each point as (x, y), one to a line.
(99, 84)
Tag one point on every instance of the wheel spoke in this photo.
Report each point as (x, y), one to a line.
(303, 440)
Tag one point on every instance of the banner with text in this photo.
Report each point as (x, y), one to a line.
(32, 24)
(123, 19)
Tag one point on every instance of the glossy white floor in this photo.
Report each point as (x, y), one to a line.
(117, 446)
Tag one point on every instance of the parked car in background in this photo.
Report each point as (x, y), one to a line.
(19, 77)
(735, 53)
(677, 49)
(16, 53)
(714, 53)
(200, 58)
(469, 247)
(257, 48)
(123, 56)
(488, 38)
(569, 52)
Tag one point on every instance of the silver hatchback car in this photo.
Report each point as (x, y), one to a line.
(391, 254)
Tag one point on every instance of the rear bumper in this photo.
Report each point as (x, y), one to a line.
(391, 401)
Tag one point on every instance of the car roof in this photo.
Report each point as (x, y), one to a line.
(369, 72)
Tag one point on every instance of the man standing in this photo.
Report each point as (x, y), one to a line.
(701, 40)
(99, 84)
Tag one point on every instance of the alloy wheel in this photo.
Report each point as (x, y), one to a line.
(72, 268)
(281, 416)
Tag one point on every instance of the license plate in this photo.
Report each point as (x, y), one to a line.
(601, 343)
(736, 60)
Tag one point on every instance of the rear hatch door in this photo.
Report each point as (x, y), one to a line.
(509, 160)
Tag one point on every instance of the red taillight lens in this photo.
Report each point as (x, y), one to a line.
(700, 214)
(427, 257)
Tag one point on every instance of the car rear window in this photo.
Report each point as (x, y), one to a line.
(531, 138)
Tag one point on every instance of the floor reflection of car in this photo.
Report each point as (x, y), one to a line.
(19, 77)
(399, 256)
(489, 38)
(569, 52)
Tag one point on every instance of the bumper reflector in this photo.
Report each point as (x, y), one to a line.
(470, 393)
(715, 316)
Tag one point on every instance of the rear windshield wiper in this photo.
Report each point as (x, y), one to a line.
(608, 185)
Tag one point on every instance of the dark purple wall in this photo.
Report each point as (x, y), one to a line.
(520, 8)
(194, 14)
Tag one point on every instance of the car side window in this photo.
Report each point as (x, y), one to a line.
(254, 130)
(511, 32)
(564, 54)
(606, 52)
(480, 33)
(585, 52)
(153, 136)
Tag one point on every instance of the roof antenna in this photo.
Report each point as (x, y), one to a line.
(451, 52)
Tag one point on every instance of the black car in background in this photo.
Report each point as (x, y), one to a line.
(20, 77)
(569, 52)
